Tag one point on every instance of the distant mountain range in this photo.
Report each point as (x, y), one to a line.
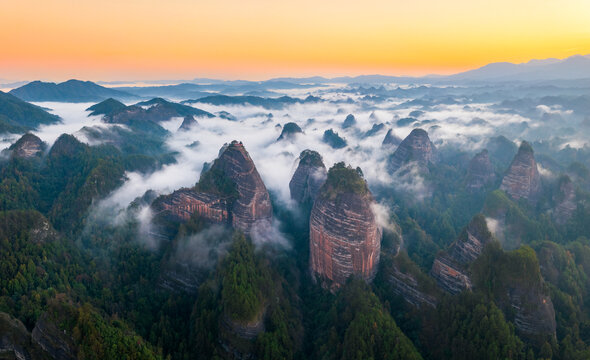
(69, 91)
(573, 68)
(17, 116)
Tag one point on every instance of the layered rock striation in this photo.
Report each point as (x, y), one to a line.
(309, 177)
(28, 146)
(230, 192)
(522, 180)
(345, 238)
(450, 268)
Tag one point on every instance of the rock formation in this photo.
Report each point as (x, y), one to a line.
(333, 139)
(16, 342)
(522, 179)
(565, 200)
(450, 268)
(230, 192)
(28, 146)
(53, 340)
(374, 130)
(480, 172)
(344, 236)
(349, 121)
(290, 130)
(391, 139)
(188, 122)
(308, 178)
(415, 147)
(407, 281)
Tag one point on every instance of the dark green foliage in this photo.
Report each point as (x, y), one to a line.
(468, 326)
(360, 328)
(106, 107)
(343, 179)
(214, 181)
(17, 115)
(242, 283)
(68, 91)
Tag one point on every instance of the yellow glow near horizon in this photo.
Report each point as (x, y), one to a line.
(258, 39)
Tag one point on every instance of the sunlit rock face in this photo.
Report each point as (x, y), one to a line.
(246, 205)
(252, 204)
(480, 172)
(522, 180)
(565, 201)
(450, 267)
(345, 238)
(415, 147)
(308, 178)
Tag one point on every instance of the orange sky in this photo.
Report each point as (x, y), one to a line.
(259, 39)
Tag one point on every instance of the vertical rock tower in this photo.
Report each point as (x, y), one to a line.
(344, 236)
(522, 179)
(309, 177)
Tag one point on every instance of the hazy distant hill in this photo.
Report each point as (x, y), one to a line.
(571, 68)
(69, 91)
(18, 116)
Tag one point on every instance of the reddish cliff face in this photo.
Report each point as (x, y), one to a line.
(344, 236)
(27, 146)
(230, 192)
(480, 172)
(522, 179)
(415, 147)
(450, 268)
(565, 201)
(308, 178)
(181, 204)
(252, 205)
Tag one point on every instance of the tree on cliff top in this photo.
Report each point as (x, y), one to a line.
(344, 179)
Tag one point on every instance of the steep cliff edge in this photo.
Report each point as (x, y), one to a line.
(564, 200)
(480, 172)
(522, 180)
(345, 238)
(230, 192)
(309, 177)
(16, 342)
(415, 147)
(451, 267)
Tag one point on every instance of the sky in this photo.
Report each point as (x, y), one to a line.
(259, 39)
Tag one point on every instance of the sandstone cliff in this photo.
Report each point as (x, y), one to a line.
(565, 201)
(308, 178)
(230, 192)
(345, 238)
(480, 172)
(53, 340)
(415, 147)
(522, 180)
(450, 268)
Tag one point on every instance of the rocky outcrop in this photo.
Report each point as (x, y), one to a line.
(252, 204)
(350, 121)
(391, 140)
(16, 342)
(229, 192)
(308, 178)
(376, 128)
(28, 146)
(290, 130)
(188, 122)
(415, 147)
(345, 238)
(54, 341)
(565, 200)
(522, 181)
(406, 280)
(182, 204)
(480, 172)
(333, 139)
(450, 268)
(534, 312)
